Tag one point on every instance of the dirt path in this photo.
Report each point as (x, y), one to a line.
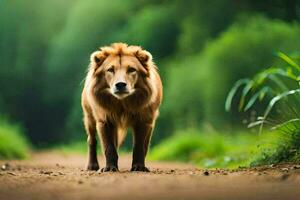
(56, 176)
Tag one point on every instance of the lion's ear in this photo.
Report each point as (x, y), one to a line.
(98, 57)
(144, 57)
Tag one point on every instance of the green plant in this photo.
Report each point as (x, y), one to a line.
(13, 144)
(280, 86)
(207, 149)
(197, 84)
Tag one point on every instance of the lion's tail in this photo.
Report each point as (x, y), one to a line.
(121, 136)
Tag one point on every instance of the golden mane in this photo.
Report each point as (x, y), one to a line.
(120, 49)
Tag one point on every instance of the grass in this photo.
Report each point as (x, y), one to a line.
(13, 144)
(279, 85)
(213, 150)
(72, 147)
(284, 149)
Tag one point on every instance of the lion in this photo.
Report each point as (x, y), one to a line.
(122, 90)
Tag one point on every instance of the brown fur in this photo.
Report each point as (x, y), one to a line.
(111, 115)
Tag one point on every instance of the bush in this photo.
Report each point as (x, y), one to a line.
(13, 144)
(23, 48)
(197, 85)
(280, 84)
(207, 149)
(183, 101)
(154, 28)
(241, 51)
(203, 22)
(284, 148)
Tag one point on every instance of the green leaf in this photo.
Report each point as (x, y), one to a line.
(233, 91)
(246, 89)
(259, 95)
(288, 60)
(260, 78)
(278, 82)
(290, 74)
(274, 100)
(284, 124)
(256, 123)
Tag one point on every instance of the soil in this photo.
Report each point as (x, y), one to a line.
(53, 175)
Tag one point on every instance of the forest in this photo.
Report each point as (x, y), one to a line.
(202, 48)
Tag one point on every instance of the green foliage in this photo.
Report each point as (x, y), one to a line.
(182, 96)
(207, 150)
(284, 148)
(197, 28)
(200, 49)
(27, 29)
(161, 20)
(197, 85)
(273, 79)
(282, 82)
(79, 146)
(193, 37)
(240, 52)
(13, 144)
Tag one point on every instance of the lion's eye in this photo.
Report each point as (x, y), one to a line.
(111, 70)
(131, 70)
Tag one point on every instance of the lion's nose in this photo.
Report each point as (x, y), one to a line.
(121, 86)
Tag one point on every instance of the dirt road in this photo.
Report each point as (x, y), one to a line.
(61, 177)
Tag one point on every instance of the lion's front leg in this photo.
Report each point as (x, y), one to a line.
(108, 134)
(141, 138)
(90, 127)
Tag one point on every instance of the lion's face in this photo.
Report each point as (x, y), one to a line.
(121, 74)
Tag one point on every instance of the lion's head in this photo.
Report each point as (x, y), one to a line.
(120, 73)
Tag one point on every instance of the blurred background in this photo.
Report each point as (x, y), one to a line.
(201, 48)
